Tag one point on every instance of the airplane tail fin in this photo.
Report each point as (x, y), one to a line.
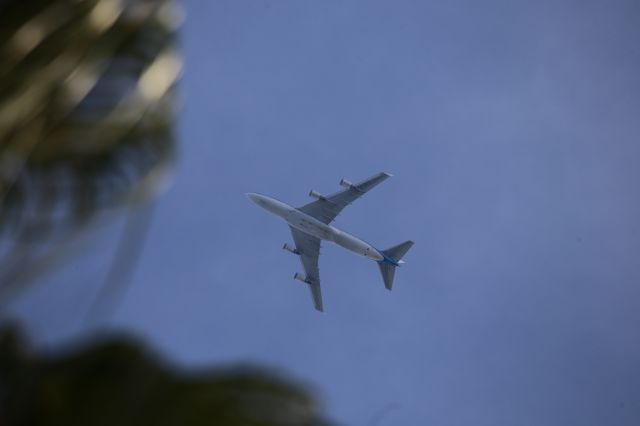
(393, 257)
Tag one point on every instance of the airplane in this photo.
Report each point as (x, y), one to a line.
(309, 225)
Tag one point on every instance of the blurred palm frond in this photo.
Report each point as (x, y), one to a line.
(87, 104)
(119, 380)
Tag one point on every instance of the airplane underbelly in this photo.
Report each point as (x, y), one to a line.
(317, 230)
(356, 245)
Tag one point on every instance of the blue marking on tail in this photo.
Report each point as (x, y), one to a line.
(387, 259)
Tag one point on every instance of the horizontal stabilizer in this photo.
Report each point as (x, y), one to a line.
(393, 258)
(398, 251)
(388, 271)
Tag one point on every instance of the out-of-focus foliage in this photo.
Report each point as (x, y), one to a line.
(117, 381)
(87, 94)
(86, 110)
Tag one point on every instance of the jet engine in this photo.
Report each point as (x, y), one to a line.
(316, 195)
(290, 249)
(347, 184)
(300, 278)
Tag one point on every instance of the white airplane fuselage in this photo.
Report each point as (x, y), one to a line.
(312, 226)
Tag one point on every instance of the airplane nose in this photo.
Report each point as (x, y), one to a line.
(256, 198)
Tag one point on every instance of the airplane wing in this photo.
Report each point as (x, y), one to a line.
(325, 209)
(308, 248)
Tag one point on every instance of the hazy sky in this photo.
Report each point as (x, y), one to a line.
(512, 129)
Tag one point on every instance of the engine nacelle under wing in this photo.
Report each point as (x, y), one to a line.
(347, 184)
(316, 195)
(300, 278)
(290, 249)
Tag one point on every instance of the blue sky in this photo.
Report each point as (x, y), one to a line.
(512, 131)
